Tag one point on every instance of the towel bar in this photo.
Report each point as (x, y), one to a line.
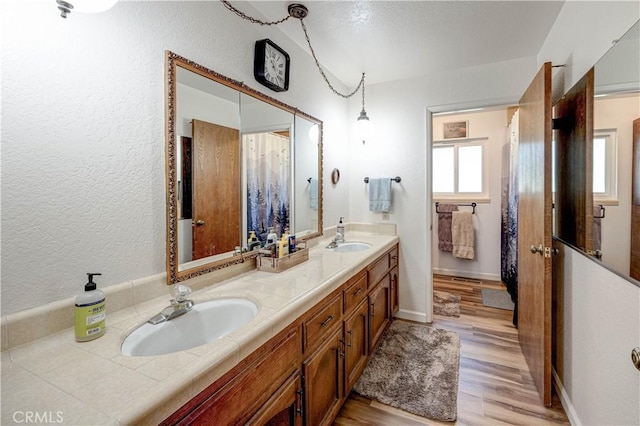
(395, 179)
(466, 205)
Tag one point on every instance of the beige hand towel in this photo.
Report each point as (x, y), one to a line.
(462, 235)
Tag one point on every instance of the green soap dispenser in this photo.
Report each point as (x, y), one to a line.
(90, 312)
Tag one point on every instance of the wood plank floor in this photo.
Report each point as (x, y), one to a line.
(495, 386)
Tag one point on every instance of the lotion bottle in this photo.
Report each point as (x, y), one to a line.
(90, 312)
(340, 231)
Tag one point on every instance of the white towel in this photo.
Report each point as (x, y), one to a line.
(313, 194)
(380, 195)
(462, 235)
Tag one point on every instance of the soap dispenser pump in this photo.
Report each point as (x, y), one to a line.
(340, 231)
(90, 312)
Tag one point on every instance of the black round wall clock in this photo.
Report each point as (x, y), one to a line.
(271, 65)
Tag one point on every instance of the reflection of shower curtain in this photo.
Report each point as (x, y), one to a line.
(268, 171)
(509, 241)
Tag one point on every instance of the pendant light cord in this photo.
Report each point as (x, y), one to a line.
(306, 36)
(249, 18)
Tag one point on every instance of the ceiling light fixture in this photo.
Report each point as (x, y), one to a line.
(300, 11)
(84, 6)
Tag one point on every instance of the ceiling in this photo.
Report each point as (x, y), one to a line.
(392, 40)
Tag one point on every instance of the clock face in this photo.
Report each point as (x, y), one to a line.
(274, 66)
(271, 65)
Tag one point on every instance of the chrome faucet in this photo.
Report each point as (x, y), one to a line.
(180, 305)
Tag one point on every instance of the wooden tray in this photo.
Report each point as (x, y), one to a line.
(274, 264)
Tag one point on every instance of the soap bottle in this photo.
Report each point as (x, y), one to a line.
(90, 312)
(272, 237)
(283, 246)
(340, 231)
(252, 242)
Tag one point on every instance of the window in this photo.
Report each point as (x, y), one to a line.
(458, 170)
(605, 165)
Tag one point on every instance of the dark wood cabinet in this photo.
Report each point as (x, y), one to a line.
(284, 407)
(379, 311)
(395, 294)
(323, 381)
(356, 348)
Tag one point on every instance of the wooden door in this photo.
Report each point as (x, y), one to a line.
(379, 299)
(323, 376)
(216, 189)
(573, 124)
(534, 230)
(635, 204)
(356, 348)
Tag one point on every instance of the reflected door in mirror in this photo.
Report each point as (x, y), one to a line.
(216, 185)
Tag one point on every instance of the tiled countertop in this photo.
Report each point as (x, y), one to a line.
(58, 380)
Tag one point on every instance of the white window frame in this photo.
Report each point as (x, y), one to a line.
(463, 196)
(610, 196)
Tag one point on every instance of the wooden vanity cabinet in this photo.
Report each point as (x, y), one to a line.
(284, 407)
(304, 373)
(248, 388)
(356, 347)
(323, 381)
(379, 310)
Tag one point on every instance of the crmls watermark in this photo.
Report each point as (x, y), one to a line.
(31, 417)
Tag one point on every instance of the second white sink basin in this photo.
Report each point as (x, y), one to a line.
(204, 323)
(351, 247)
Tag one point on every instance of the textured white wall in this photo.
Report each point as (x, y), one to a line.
(83, 185)
(601, 324)
(400, 145)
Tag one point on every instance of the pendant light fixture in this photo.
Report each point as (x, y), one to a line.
(84, 6)
(300, 11)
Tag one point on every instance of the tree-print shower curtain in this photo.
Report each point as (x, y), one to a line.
(268, 171)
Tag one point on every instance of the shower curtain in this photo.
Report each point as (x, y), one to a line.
(509, 240)
(268, 171)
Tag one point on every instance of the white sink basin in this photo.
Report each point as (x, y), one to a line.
(351, 247)
(204, 323)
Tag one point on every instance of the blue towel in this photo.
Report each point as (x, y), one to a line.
(380, 195)
(313, 194)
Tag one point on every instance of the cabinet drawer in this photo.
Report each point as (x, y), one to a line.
(355, 290)
(316, 328)
(378, 270)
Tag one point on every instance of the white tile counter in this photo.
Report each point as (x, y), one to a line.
(57, 380)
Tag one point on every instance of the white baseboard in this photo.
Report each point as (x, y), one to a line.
(467, 274)
(412, 315)
(565, 400)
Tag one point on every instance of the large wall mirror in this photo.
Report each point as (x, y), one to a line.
(616, 105)
(239, 164)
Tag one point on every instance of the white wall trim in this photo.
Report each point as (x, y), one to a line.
(565, 400)
(467, 274)
(412, 315)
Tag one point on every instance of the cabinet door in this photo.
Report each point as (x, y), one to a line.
(284, 408)
(379, 311)
(395, 303)
(323, 378)
(356, 347)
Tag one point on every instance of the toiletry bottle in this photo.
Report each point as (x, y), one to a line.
(90, 312)
(283, 246)
(252, 242)
(340, 231)
(272, 237)
(292, 243)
